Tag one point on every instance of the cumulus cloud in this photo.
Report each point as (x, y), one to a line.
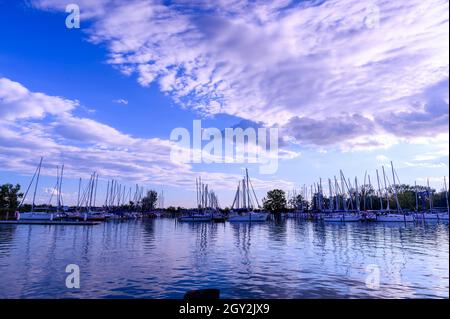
(36, 124)
(429, 118)
(16, 102)
(329, 130)
(348, 66)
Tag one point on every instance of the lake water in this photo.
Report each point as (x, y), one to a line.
(163, 258)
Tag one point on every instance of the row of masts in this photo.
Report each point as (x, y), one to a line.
(56, 191)
(117, 195)
(206, 198)
(87, 196)
(347, 197)
(245, 197)
(343, 196)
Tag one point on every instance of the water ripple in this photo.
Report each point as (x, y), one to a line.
(163, 259)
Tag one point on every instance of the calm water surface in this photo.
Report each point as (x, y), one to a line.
(163, 259)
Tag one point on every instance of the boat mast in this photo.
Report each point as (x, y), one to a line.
(349, 187)
(254, 193)
(107, 195)
(79, 191)
(60, 188)
(430, 195)
(95, 192)
(388, 208)
(344, 198)
(446, 195)
(244, 202)
(236, 198)
(379, 191)
(417, 199)
(370, 193)
(36, 186)
(123, 193)
(248, 189)
(358, 204)
(119, 194)
(320, 194)
(331, 195)
(197, 183)
(363, 191)
(91, 190)
(336, 191)
(399, 209)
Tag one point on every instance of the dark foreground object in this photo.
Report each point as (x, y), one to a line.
(47, 222)
(203, 294)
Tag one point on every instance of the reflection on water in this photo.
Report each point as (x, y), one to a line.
(282, 259)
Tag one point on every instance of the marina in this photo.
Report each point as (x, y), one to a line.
(344, 203)
(308, 245)
(45, 222)
(211, 150)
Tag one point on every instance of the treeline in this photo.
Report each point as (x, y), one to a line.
(409, 198)
(10, 197)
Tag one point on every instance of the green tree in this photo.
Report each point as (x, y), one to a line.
(298, 202)
(149, 200)
(9, 197)
(275, 201)
(171, 209)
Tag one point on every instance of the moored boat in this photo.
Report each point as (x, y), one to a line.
(391, 217)
(341, 217)
(35, 216)
(195, 218)
(242, 209)
(368, 216)
(219, 217)
(248, 217)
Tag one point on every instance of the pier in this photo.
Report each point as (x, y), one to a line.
(48, 222)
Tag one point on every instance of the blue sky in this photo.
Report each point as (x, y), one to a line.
(350, 86)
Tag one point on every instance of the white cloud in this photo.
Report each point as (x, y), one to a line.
(16, 102)
(382, 158)
(327, 72)
(426, 165)
(50, 130)
(121, 101)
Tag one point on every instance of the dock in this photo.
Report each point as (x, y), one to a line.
(48, 222)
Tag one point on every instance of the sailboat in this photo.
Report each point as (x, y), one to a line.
(203, 212)
(341, 217)
(433, 213)
(387, 215)
(334, 214)
(34, 215)
(246, 212)
(88, 198)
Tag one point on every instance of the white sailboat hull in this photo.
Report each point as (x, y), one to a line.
(35, 216)
(395, 218)
(342, 218)
(88, 216)
(249, 217)
(195, 218)
(432, 216)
